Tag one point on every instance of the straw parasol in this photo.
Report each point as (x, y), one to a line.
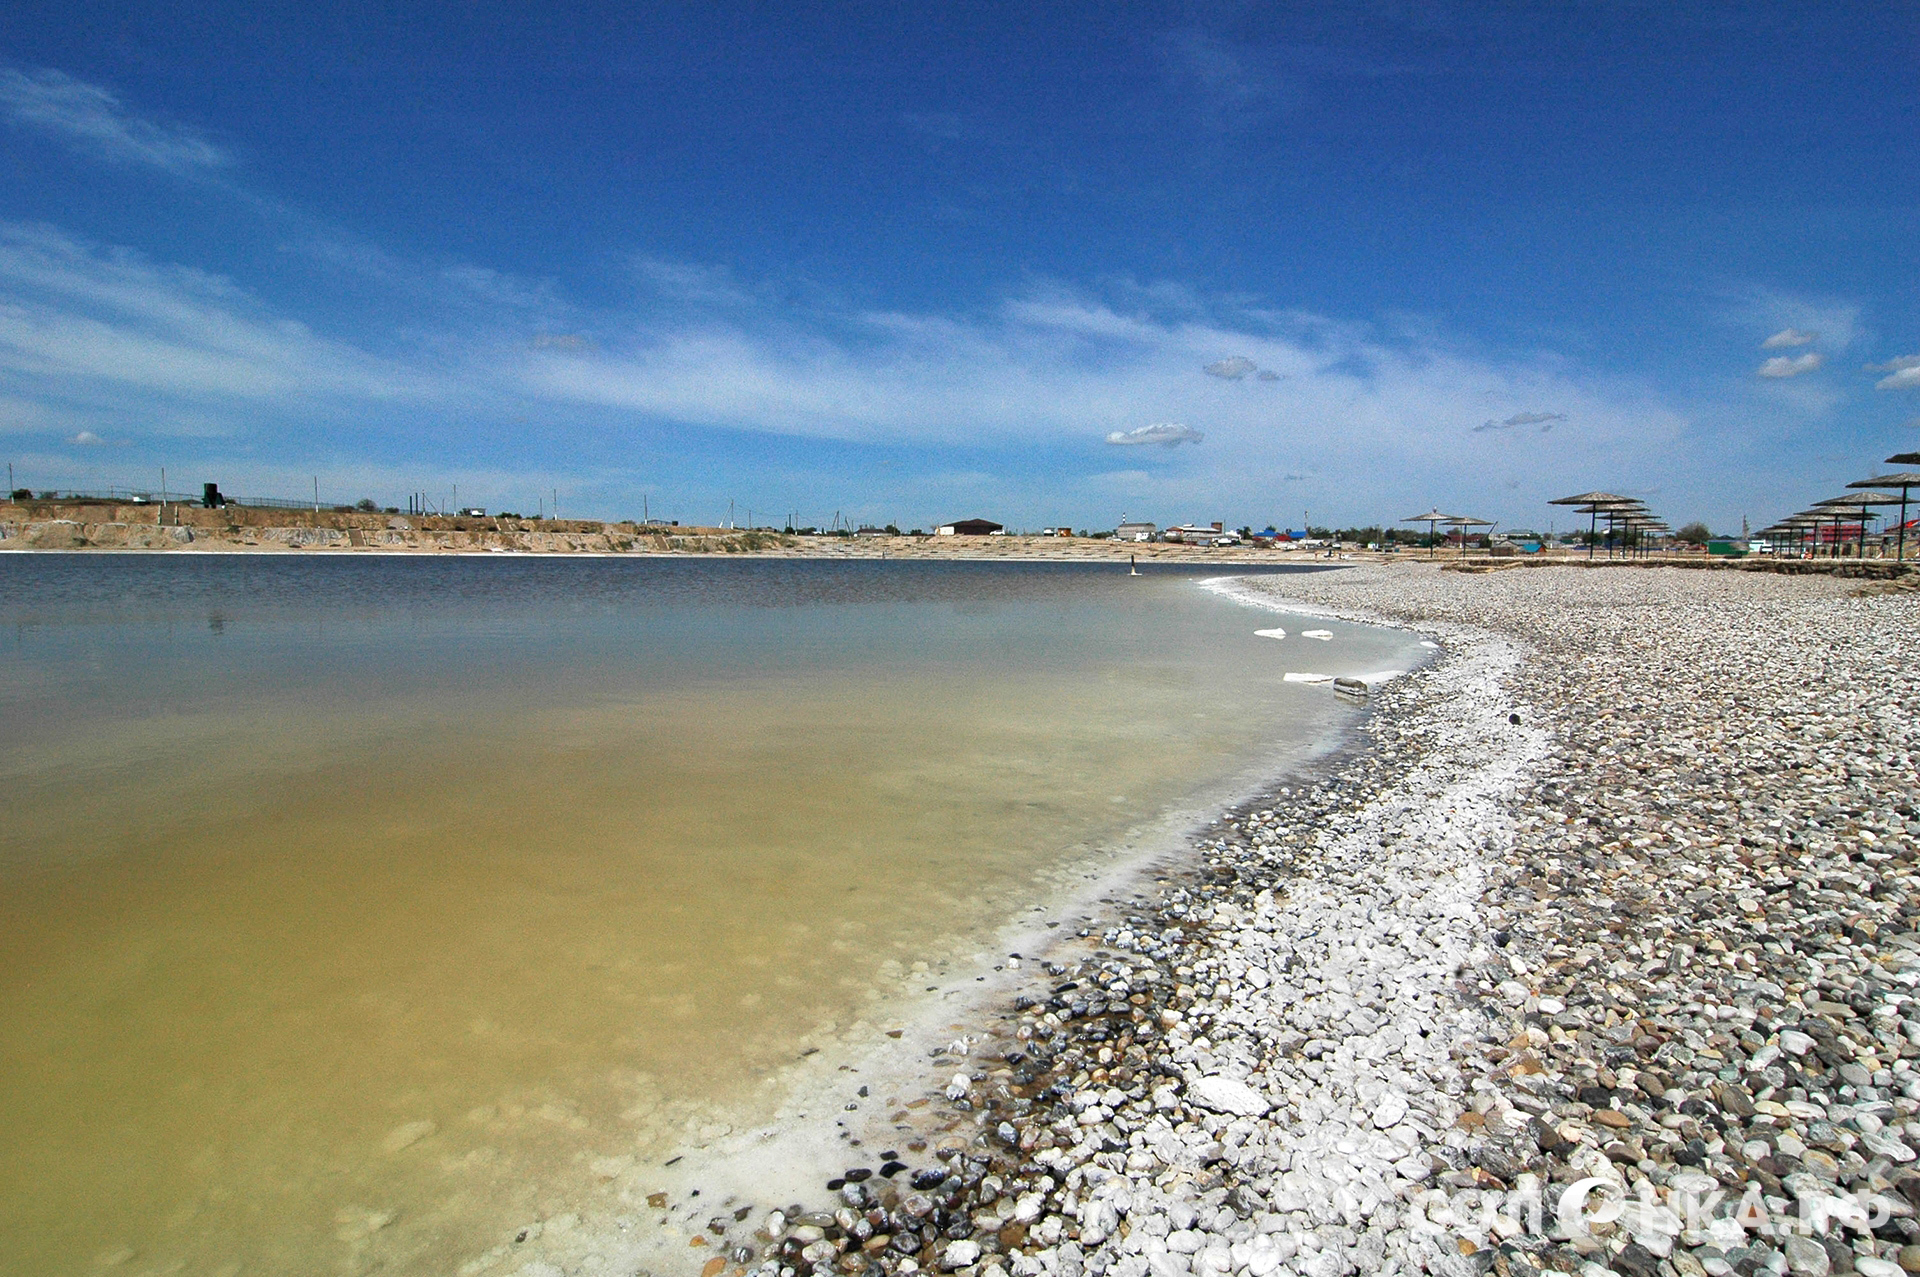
(1594, 504)
(1859, 506)
(1431, 518)
(1463, 522)
(1903, 480)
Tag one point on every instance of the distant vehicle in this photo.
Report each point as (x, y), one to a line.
(474, 512)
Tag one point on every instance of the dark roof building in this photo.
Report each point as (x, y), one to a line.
(968, 528)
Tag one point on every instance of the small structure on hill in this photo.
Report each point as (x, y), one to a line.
(968, 528)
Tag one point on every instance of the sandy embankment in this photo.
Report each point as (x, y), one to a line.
(1654, 939)
(52, 526)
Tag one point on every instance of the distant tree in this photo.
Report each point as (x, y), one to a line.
(1694, 534)
(892, 531)
(365, 505)
(22, 494)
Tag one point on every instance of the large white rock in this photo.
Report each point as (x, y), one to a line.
(1390, 1110)
(959, 1254)
(1224, 1095)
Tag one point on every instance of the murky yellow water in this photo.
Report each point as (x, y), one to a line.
(342, 949)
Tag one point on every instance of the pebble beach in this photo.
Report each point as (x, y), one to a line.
(1599, 954)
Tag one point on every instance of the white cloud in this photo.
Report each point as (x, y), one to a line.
(690, 281)
(1834, 322)
(91, 337)
(500, 288)
(86, 438)
(1903, 373)
(76, 320)
(1232, 369)
(91, 116)
(1167, 433)
(1791, 366)
(1789, 337)
(1545, 420)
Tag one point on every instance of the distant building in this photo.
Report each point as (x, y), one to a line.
(1198, 533)
(870, 531)
(967, 528)
(1135, 532)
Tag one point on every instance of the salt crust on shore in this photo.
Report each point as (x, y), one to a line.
(1656, 932)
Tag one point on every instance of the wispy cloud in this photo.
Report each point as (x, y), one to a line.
(690, 281)
(1167, 433)
(1791, 365)
(93, 117)
(1903, 373)
(87, 439)
(1545, 420)
(1236, 85)
(74, 317)
(1787, 338)
(91, 337)
(1232, 369)
(1794, 319)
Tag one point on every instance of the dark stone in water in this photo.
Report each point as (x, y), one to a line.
(859, 1173)
(890, 1169)
(924, 1180)
(835, 1185)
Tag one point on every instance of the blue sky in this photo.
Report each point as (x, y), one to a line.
(1042, 263)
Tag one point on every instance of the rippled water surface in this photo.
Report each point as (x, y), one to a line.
(349, 908)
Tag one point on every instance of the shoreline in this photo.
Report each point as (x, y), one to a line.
(837, 1121)
(953, 1129)
(1378, 1019)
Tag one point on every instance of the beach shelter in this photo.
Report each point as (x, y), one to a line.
(1795, 528)
(1905, 480)
(1859, 506)
(1595, 504)
(1462, 522)
(1432, 519)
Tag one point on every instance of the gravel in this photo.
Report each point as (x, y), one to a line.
(1616, 907)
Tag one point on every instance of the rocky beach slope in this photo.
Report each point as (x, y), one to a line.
(1601, 957)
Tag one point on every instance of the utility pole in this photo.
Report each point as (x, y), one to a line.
(316, 494)
(163, 496)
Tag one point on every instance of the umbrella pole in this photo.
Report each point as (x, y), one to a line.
(1900, 552)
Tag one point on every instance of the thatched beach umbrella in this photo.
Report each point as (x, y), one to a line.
(1903, 480)
(1431, 518)
(1464, 521)
(1860, 507)
(1592, 504)
(1795, 528)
